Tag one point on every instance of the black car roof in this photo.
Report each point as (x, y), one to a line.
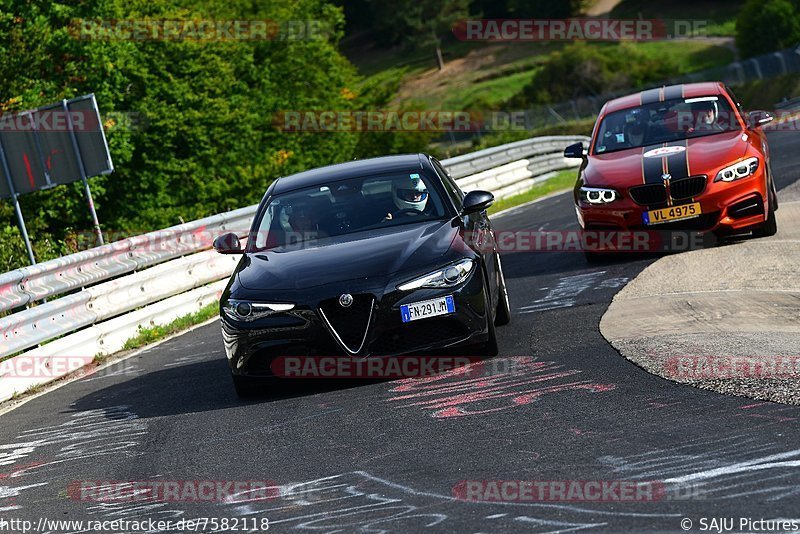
(350, 169)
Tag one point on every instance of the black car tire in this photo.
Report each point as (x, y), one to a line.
(592, 257)
(503, 313)
(490, 348)
(246, 388)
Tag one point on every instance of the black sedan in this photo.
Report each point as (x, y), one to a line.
(372, 258)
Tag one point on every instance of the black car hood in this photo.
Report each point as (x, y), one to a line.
(374, 254)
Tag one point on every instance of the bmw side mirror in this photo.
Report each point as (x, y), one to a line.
(228, 244)
(759, 118)
(477, 201)
(575, 151)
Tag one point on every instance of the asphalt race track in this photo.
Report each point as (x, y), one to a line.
(561, 405)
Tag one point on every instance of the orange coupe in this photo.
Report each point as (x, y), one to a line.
(683, 157)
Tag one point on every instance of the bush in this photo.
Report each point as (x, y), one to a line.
(583, 70)
(767, 25)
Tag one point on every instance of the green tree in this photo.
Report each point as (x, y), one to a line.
(420, 24)
(207, 141)
(767, 25)
(430, 20)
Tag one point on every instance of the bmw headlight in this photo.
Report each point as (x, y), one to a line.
(246, 310)
(598, 195)
(448, 276)
(740, 170)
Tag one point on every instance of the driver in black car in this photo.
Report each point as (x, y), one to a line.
(410, 197)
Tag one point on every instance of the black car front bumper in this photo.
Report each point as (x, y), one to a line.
(321, 327)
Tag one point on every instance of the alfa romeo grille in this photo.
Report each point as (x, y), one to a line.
(349, 325)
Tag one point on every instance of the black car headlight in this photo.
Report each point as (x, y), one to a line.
(448, 276)
(247, 310)
(737, 171)
(598, 195)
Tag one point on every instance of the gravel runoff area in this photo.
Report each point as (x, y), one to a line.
(725, 318)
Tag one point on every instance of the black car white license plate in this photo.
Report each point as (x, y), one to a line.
(427, 308)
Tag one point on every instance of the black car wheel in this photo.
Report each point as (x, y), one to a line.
(245, 387)
(592, 258)
(503, 313)
(490, 348)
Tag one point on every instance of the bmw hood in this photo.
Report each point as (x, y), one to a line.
(362, 255)
(635, 166)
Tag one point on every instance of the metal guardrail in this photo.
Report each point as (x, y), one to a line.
(475, 162)
(55, 277)
(157, 277)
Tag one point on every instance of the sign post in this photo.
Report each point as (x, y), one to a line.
(82, 168)
(50, 146)
(20, 219)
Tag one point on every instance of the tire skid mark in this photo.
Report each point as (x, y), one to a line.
(86, 435)
(358, 501)
(725, 468)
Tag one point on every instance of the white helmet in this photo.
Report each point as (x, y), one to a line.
(410, 193)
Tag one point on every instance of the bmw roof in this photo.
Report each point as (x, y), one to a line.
(659, 94)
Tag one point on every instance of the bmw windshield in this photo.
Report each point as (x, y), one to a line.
(662, 122)
(348, 206)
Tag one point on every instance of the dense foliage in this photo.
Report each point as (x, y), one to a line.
(588, 70)
(189, 122)
(404, 22)
(767, 25)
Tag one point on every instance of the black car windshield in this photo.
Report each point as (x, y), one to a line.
(348, 206)
(661, 122)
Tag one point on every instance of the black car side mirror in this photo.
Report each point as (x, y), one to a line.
(477, 201)
(759, 118)
(575, 151)
(228, 244)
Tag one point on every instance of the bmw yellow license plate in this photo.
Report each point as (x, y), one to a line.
(427, 308)
(675, 213)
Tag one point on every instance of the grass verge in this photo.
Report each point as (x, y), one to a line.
(562, 180)
(157, 332)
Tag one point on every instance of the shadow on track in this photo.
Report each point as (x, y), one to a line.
(205, 386)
